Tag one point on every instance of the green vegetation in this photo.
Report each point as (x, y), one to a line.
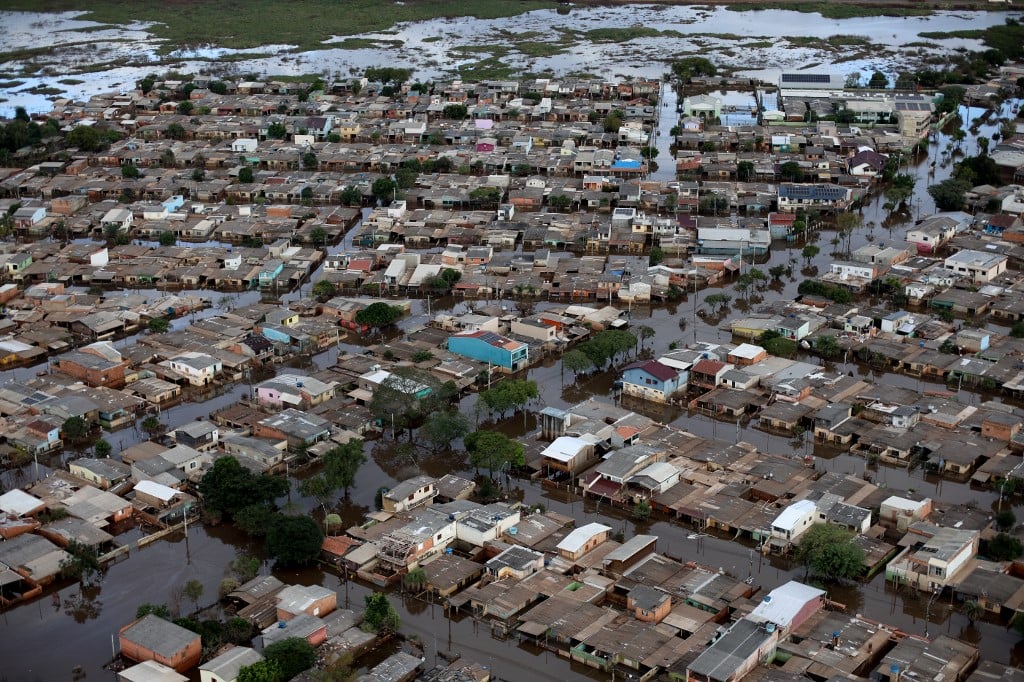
(969, 34)
(1002, 547)
(493, 450)
(776, 344)
(228, 488)
(294, 540)
(380, 616)
(379, 314)
(292, 656)
(627, 33)
(811, 287)
(511, 394)
(830, 553)
(264, 22)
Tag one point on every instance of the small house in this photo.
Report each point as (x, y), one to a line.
(152, 638)
(225, 668)
(582, 540)
(494, 349)
(410, 494)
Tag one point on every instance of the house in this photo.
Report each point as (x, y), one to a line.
(119, 219)
(935, 559)
(794, 520)
(515, 562)
(152, 638)
(295, 390)
(568, 454)
(299, 428)
(199, 369)
(648, 604)
(410, 494)
(788, 606)
(150, 671)
(494, 349)
(225, 668)
(304, 626)
(198, 435)
(267, 453)
(793, 197)
(744, 646)
(28, 561)
(310, 599)
(651, 380)
(931, 234)
(978, 266)
(98, 364)
(103, 473)
(582, 540)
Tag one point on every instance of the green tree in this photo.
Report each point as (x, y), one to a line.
(657, 255)
(277, 131)
(380, 616)
(416, 579)
(244, 567)
(159, 610)
(1017, 330)
(168, 238)
(102, 448)
(82, 562)
(293, 656)
(560, 202)
(86, 138)
(130, 171)
(261, 671)
(309, 161)
(717, 301)
(777, 271)
(901, 189)
(254, 519)
(351, 196)
(1002, 547)
(74, 429)
(342, 463)
(379, 314)
(198, 175)
(493, 450)
(826, 346)
(245, 175)
(791, 171)
(185, 107)
(152, 425)
(642, 510)
(486, 196)
(949, 194)
(227, 487)
(442, 428)
(158, 325)
(612, 122)
(809, 252)
(324, 289)
(174, 131)
(1006, 520)
(577, 361)
(384, 190)
(218, 87)
(406, 178)
(830, 553)
(971, 610)
(455, 111)
(693, 67)
(878, 81)
(294, 539)
(320, 489)
(193, 591)
(745, 171)
(511, 394)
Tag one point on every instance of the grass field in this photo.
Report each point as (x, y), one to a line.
(243, 24)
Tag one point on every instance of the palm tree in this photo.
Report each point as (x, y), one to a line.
(971, 609)
(416, 579)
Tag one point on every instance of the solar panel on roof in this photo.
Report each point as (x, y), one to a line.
(489, 337)
(806, 78)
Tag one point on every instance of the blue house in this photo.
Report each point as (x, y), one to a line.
(269, 272)
(651, 380)
(491, 348)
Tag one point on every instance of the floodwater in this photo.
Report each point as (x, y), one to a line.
(113, 58)
(84, 621)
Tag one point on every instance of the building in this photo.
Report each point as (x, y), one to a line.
(651, 380)
(569, 454)
(294, 390)
(794, 520)
(299, 428)
(935, 560)
(152, 638)
(410, 494)
(977, 266)
(150, 671)
(198, 435)
(225, 668)
(494, 349)
(582, 540)
(825, 197)
(199, 369)
(788, 606)
(313, 600)
(742, 648)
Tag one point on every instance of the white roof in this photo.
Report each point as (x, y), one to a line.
(747, 350)
(228, 664)
(900, 503)
(157, 490)
(564, 448)
(579, 537)
(150, 671)
(792, 514)
(781, 605)
(19, 503)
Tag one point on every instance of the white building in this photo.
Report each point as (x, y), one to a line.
(979, 266)
(199, 369)
(794, 520)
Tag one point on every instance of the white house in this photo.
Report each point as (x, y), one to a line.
(199, 369)
(244, 145)
(794, 520)
(979, 266)
(582, 540)
(119, 217)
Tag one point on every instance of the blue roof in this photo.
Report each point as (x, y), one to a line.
(626, 163)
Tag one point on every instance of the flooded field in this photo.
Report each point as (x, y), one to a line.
(45, 56)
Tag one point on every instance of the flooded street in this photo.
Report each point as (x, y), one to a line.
(84, 622)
